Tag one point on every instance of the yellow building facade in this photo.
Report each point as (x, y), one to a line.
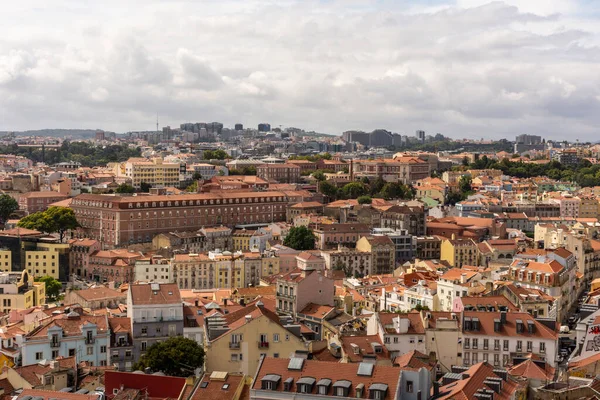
(5, 260)
(18, 292)
(459, 252)
(239, 350)
(44, 261)
(154, 172)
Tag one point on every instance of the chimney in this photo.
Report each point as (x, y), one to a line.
(248, 318)
(196, 302)
(453, 236)
(463, 277)
(225, 302)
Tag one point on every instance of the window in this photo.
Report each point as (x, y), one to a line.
(496, 344)
(386, 340)
(529, 346)
(409, 386)
(102, 349)
(54, 354)
(339, 391)
(71, 352)
(496, 360)
(287, 337)
(144, 330)
(485, 357)
(276, 337)
(505, 345)
(172, 330)
(467, 343)
(475, 343)
(234, 357)
(412, 340)
(90, 350)
(475, 358)
(275, 355)
(486, 343)
(144, 345)
(396, 340)
(542, 347)
(467, 358)
(519, 345)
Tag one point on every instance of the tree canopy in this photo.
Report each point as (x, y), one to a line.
(215, 154)
(176, 356)
(365, 200)
(300, 238)
(53, 287)
(53, 220)
(8, 205)
(354, 190)
(88, 154)
(125, 188)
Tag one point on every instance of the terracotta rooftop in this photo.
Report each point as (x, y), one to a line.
(148, 294)
(472, 381)
(98, 293)
(336, 372)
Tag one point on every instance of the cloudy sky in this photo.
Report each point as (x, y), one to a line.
(464, 68)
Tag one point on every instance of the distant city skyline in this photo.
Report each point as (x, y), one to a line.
(463, 68)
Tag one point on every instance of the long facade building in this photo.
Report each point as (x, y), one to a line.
(121, 220)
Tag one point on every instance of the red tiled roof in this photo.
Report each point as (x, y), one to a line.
(49, 394)
(465, 389)
(329, 370)
(142, 294)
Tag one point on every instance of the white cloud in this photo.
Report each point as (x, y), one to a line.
(467, 68)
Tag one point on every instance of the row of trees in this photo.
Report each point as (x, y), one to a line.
(365, 190)
(584, 174)
(86, 153)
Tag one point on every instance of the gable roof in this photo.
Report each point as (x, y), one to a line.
(472, 380)
(144, 294)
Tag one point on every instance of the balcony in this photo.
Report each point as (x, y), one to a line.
(263, 345)
(234, 345)
(89, 340)
(54, 343)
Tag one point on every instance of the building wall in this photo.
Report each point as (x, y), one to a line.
(219, 354)
(135, 219)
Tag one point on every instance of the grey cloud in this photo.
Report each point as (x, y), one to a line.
(490, 70)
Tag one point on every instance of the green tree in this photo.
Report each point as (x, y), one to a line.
(377, 186)
(53, 220)
(39, 221)
(8, 205)
(319, 175)
(215, 154)
(196, 176)
(176, 356)
(364, 200)
(328, 189)
(464, 184)
(354, 190)
(125, 188)
(145, 187)
(300, 238)
(193, 188)
(53, 287)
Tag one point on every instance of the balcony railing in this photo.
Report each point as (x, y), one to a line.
(90, 340)
(234, 345)
(54, 344)
(263, 345)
